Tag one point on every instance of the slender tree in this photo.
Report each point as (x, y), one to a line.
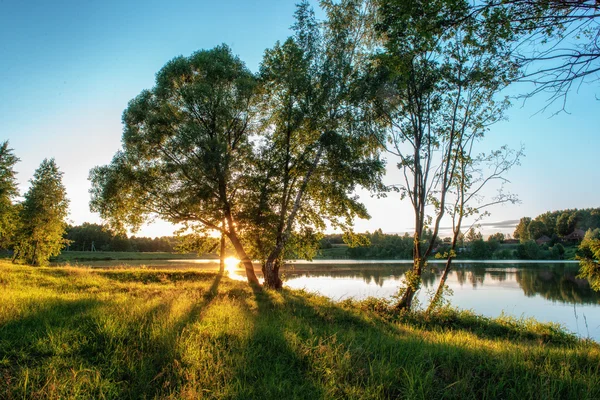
(473, 175)
(42, 216)
(435, 86)
(8, 192)
(317, 146)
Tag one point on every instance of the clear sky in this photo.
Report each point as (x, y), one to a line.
(68, 69)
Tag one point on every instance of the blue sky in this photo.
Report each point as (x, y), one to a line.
(68, 69)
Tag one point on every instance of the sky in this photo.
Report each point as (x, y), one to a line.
(69, 68)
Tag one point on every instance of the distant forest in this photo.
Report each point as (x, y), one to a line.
(558, 224)
(88, 237)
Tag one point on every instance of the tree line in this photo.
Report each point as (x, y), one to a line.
(558, 224)
(89, 237)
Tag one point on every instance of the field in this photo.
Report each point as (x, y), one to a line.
(69, 332)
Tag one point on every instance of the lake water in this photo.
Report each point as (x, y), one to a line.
(548, 292)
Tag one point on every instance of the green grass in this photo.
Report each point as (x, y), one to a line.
(134, 333)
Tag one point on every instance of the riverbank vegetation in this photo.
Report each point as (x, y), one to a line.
(131, 333)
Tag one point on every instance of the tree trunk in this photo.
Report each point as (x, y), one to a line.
(34, 256)
(270, 271)
(222, 254)
(413, 278)
(244, 259)
(440, 290)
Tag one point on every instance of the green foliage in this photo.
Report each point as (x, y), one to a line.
(185, 145)
(498, 237)
(589, 258)
(521, 231)
(528, 250)
(560, 223)
(557, 251)
(383, 246)
(8, 192)
(536, 229)
(435, 85)
(43, 213)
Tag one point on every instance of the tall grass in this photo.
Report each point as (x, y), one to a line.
(133, 333)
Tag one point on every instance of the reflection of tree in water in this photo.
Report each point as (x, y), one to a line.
(553, 282)
(557, 284)
(376, 274)
(473, 273)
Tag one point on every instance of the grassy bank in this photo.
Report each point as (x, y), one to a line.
(134, 333)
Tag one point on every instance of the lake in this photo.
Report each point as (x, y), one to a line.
(548, 292)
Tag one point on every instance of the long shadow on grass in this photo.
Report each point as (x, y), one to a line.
(270, 368)
(159, 372)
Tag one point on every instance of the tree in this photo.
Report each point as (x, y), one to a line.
(472, 176)
(317, 146)
(498, 237)
(521, 233)
(44, 210)
(589, 258)
(436, 86)
(536, 229)
(8, 191)
(186, 147)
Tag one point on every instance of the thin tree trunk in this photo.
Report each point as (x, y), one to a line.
(33, 257)
(414, 281)
(222, 252)
(440, 290)
(244, 259)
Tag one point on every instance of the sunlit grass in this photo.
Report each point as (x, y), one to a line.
(135, 333)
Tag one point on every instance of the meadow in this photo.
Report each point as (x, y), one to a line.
(74, 332)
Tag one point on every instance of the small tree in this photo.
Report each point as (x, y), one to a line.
(589, 258)
(42, 216)
(8, 192)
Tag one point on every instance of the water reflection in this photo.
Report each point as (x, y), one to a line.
(555, 282)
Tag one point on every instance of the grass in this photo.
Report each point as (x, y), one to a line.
(134, 333)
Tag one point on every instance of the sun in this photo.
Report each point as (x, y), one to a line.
(231, 264)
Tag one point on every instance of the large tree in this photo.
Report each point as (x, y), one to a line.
(186, 147)
(8, 192)
(317, 146)
(436, 85)
(43, 216)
